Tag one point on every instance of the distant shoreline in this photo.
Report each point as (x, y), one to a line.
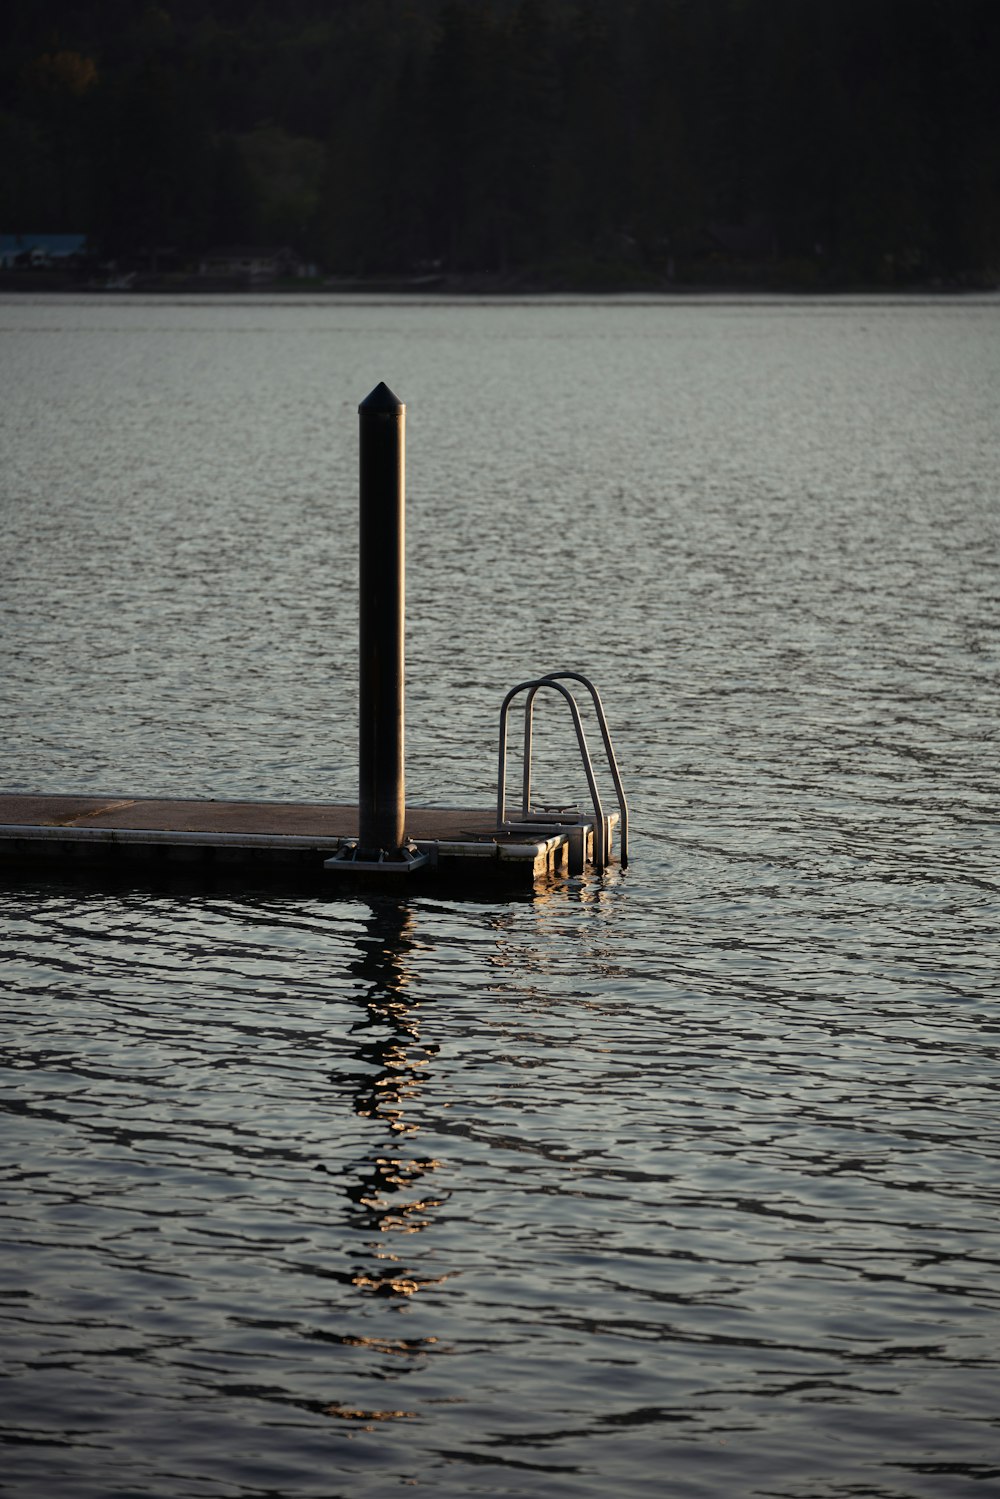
(459, 286)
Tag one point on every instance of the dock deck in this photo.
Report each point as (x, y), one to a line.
(290, 837)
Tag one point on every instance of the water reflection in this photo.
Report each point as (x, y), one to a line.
(568, 936)
(390, 1188)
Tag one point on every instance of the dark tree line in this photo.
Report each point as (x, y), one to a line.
(574, 140)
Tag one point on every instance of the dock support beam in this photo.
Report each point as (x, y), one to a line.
(381, 788)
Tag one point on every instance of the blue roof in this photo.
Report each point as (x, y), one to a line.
(49, 244)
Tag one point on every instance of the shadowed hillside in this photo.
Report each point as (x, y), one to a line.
(589, 143)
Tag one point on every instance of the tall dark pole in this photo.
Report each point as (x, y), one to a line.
(381, 788)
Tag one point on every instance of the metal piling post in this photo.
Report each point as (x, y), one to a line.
(381, 788)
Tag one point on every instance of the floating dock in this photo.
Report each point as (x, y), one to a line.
(67, 833)
(381, 838)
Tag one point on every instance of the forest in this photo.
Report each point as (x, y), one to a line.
(551, 143)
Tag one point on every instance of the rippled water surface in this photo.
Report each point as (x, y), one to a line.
(680, 1181)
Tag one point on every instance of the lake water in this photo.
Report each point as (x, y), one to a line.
(681, 1181)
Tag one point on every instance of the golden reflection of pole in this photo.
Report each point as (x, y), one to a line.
(402, 1061)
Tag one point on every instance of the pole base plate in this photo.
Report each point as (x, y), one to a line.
(405, 860)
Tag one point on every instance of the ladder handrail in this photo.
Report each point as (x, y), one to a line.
(576, 676)
(533, 685)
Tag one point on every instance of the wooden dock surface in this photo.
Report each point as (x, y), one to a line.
(323, 822)
(302, 836)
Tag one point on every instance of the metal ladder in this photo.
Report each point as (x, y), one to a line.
(555, 680)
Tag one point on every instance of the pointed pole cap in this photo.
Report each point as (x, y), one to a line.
(381, 401)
